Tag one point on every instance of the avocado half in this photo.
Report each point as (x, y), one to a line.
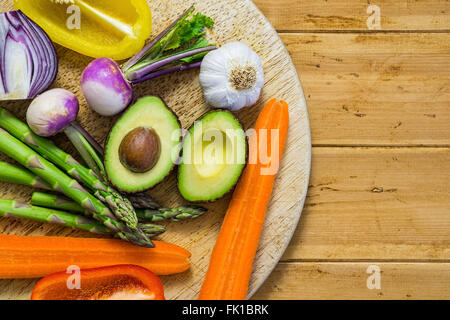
(151, 113)
(213, 157)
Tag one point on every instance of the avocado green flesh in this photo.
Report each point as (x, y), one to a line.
(214, 155)
(148, 112)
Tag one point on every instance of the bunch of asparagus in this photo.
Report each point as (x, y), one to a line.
(47, 167)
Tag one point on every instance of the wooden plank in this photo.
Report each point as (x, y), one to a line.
(346, 280)
(352, 14)
(375, 89)
(376, 204)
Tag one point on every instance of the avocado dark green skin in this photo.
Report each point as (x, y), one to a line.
(173, 165)
(246, 157)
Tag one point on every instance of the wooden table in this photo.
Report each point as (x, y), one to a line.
(379, 104)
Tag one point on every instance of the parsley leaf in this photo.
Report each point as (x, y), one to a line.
(187, 30)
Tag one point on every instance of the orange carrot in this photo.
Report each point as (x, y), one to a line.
(231, 262)
(35, 257)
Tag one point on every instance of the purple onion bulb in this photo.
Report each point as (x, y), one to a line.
(105, 88)
(52, 111)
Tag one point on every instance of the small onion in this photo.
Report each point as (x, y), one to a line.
(105, 88)
(52, 111)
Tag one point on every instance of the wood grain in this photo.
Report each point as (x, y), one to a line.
(183, 94)
(376, 204)
(349, 281)
(326, 15)
(375, 89)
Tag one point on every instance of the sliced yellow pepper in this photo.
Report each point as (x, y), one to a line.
(96, 28)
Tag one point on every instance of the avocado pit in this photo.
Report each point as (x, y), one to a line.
(140, 150)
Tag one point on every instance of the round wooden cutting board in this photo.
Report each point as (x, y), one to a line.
(235, 20)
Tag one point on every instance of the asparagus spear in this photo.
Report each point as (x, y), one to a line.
(55, 202)
(17, 175)
(17, 209)
(71, 188)
(62, 203)
(142, 201)
(162, 214)
(121, 207)
(13, 174)
(175, 214)
(152, 230)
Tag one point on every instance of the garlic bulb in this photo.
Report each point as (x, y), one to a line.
(232, 77)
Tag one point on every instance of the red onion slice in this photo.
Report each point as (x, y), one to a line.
(28, 60)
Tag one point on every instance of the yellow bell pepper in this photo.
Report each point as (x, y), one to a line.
(96, 28)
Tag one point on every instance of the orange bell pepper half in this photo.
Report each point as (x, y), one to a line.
(122, 282)
(96, 28)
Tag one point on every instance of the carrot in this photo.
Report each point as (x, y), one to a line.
(35, 257)
(231, 262)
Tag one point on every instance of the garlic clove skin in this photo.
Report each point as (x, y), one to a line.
(232, 77)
